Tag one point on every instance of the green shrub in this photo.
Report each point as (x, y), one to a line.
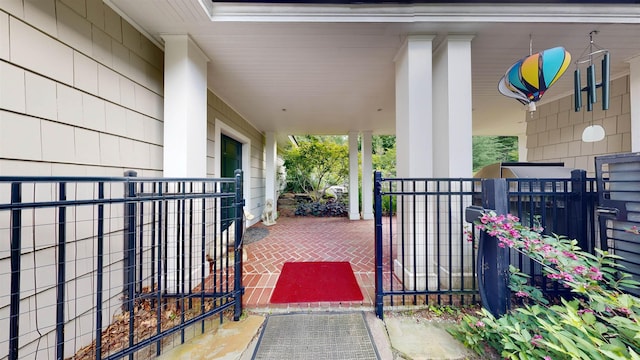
(389, 205)
(329, 208)
(600, 322)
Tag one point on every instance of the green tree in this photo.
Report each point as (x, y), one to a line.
(383, 143)
(384, 154)
(492, 149)
(316, 164)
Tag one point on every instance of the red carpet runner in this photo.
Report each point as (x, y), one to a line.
(316, 281)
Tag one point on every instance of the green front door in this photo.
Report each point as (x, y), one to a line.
(231, 161)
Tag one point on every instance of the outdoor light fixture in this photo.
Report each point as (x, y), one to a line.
(592, 132)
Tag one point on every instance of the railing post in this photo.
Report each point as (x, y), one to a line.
(203, 252)
(162, 239)
(60, 294)
(130, 253)
(578, 219)
(377, 206)
(16, 249)
(100, 272)
(237, 248)
(493, 261)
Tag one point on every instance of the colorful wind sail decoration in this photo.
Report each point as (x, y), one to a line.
(529, 78)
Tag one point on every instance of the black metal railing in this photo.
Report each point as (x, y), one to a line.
(564, 207)
(106, 268)
(423, 255)
(426, 253)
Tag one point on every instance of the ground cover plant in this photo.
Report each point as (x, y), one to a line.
(600, 321)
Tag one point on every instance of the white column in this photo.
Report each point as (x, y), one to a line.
(185, 131)
(634, 97)
(367, 176)
(414, 155)
(414, 110)
(452, 108)
(452, 139)
(522, 147)
(185, 108)
(271, 191)
(354, 202)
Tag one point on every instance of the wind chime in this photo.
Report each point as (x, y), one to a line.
(592, 132)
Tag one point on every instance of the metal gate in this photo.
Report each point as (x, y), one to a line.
(422, 253)
(106, 268)
(426, 253)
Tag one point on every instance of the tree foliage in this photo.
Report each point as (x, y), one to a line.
(322, 161)
(383, 143)
(316, 164)
(492, 149)
(486, 150)
(384, 154)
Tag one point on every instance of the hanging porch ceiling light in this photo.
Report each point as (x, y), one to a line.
(592, 132)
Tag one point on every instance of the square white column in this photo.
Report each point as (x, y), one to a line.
(271, 171)
(354, 202)
(367, 175)
(414, 157)
(185, 134)
(522, 147)
(452, 140)
(414, 107)
(185, 108)
(452, 118)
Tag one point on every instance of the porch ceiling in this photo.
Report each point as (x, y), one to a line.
(335, 73)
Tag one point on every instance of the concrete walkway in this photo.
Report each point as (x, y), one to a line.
(395, 338)
(317, 239)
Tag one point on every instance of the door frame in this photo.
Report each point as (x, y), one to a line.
(220, 129)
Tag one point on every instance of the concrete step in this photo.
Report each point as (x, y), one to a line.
(424, 339)
(397, 337)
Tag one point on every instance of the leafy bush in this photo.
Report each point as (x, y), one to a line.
(600, 322)
(389, 207)
(330, 208)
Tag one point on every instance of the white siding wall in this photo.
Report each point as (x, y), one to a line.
(80, 94)
(555, 131)
(81, 91)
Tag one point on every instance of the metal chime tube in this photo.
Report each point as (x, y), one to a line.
(591, 87)
(605, 82)
(577, 91)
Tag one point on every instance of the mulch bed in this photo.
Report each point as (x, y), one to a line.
(116, 336)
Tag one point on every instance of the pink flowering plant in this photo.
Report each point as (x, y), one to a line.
(601, 321)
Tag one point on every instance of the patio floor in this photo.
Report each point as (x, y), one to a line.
(309, 239)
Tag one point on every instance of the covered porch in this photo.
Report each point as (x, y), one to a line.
(309, 239)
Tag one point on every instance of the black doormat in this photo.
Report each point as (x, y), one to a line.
(332, 336)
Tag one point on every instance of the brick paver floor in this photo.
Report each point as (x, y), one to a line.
(309, 239)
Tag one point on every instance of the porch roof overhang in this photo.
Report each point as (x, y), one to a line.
(329, 69)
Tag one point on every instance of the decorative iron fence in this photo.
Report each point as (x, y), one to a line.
(426, 253)
(422, 252)
(565, 207)
(105, 268)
